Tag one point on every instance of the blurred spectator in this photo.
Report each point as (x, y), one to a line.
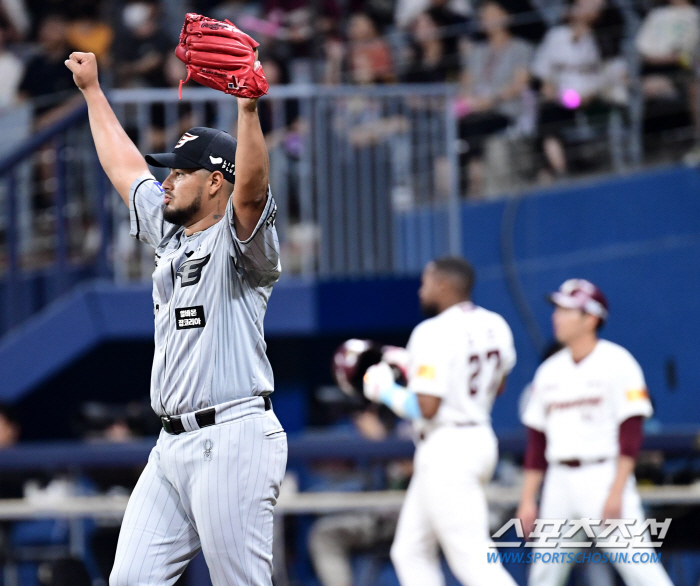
(380, 11)
(113, 423)
(46, 78)
(335, 53)
(49, 84)
(495, 78)
(609, 30)
(569, 67)
(17, 16)
(335, 538)
(407, 10)
(369, 54)
(88, 34)
(454, 27)
(11, 483)
(143, 50)
(529, 19)
(667, 43)
(11, 73)
(434, 54)
(287, 113)
(428, 62)
(669, 35)
(64, 572)
(304, 26)
(104, 422)
(9, 427)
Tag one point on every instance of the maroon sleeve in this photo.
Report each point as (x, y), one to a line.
(534, 452)
(631, 435)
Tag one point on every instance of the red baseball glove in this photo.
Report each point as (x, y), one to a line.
(220, 56)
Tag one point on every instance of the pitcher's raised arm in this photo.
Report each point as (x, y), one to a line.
(120, 159)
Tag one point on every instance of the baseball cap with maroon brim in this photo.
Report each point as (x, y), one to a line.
(201, 148)
(583, 295)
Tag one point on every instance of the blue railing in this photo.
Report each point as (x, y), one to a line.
(673, 440)
(41, 259)
(367, 180)
(347, 166)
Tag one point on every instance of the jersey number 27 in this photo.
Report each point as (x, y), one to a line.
(491, 359)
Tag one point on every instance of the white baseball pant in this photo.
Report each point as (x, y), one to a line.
(212, 489)
(579, 493)
(446, 506)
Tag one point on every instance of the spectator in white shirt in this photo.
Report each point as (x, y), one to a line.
(667, 43)
(407, 10)
(11, 72)
(569, 67)
(495, 77)
(669, 34)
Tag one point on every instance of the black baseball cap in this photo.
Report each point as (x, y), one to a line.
(201, 148)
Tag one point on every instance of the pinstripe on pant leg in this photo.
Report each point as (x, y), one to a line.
(233, 498)
(156, 541)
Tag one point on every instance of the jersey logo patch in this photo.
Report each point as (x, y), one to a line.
(637, 395)
(187, 318)
(190, 272)
(427, 372)
(187, 137)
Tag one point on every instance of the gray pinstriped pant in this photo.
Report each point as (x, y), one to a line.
(212, 489)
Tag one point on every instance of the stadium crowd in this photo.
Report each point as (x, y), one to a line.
(545, 69)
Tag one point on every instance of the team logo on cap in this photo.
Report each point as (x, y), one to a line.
(187, 137)
(216, 160)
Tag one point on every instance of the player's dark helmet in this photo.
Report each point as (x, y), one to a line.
(350, 362)
(353, 357)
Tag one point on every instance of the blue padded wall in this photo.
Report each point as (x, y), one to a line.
(637, 237)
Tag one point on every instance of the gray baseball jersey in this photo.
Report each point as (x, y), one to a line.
(210, 293)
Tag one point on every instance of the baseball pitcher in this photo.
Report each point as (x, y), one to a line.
(213, 478)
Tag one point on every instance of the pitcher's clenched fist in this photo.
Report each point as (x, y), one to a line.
(84, 68)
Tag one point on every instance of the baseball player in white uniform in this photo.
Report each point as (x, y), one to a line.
(213, 478)
(458, 362)
(584, 418)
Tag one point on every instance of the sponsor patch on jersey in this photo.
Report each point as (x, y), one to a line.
(190, 271)
(159, 186)
(425, 371)
(637, 394)
(187, 318)
(585, 402)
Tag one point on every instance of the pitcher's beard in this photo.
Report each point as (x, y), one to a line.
(184, 216)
